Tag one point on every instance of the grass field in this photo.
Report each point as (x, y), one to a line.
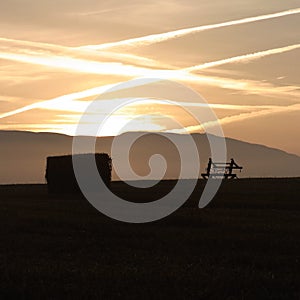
(244, 245)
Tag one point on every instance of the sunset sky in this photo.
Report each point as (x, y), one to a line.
(242, 56)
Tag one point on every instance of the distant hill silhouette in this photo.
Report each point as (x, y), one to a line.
(23, 155)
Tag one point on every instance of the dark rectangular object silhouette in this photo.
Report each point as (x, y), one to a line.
(60, 175)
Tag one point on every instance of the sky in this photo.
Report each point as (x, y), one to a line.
(242, 56)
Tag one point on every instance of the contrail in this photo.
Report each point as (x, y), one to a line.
(77, 65)
(240, 117)
(241, 58)
(160, 37)
(225, 83)
(52, 102)
(111, 68)
(146, 40)
(75, 51)
(183, 74)
(228, 106)
(245, 116)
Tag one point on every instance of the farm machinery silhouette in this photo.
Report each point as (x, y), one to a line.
(221, 169)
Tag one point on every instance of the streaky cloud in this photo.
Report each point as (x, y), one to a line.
(56, 49)
(240, 117)
(243, 58)
(161, 37)
(131, 71)
(51, 103)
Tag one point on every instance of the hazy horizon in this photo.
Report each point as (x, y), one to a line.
(141, 131)
(256, 160)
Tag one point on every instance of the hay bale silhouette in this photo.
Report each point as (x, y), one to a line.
(60, 175)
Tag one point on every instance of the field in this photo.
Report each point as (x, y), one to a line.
(244, 245)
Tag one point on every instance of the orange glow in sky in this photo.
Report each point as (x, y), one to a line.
(243, 60)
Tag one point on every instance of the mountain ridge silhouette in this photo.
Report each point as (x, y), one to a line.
(23, 155)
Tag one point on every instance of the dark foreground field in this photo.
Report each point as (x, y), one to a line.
(244, 245)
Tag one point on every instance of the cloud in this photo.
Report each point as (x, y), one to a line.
(95, 13)
(131, 71)
(249, 86)
(243, 58)
(240, 117)
(52, 103)
(160, 37)
(77, 65)
(38, 48)
(67, 61)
